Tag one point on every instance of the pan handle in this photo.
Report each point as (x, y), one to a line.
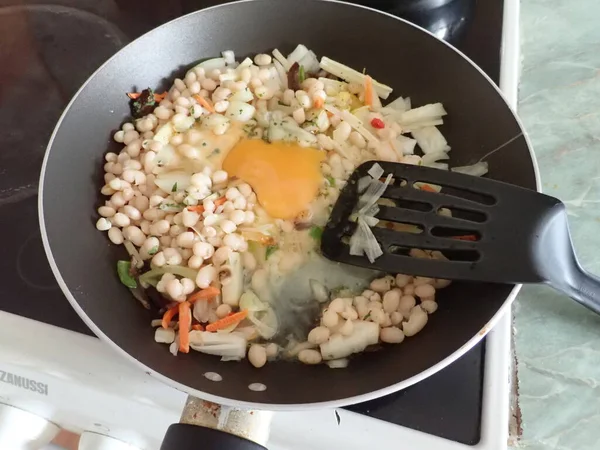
(582, 287)
(183, 436)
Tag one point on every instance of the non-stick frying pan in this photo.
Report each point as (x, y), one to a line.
(412, 61)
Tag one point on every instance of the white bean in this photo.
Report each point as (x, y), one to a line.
(206, 276)
(195, 262)
(409, 289)
(440, 283)
(236, 242)
(106, 211)
(338, 305)
(151, 245)
(186, 239)
(310, 356)
(172, 256)
(159, 228)
(132, 212)
(418, 281)
(221, 255)
(396, 317)
(417, 320)
(350, 313)
(135, 235)
(272, 350)
(391, 335)
(430, 306)
(240, 203)
(407, 302)
(219, 176)
(223, 311)
(262, 59)
(424, 291)
(402, 280)
(174, 289)
(330, 318)
(318, 335)
(115, 235)
(203, 250)
(347, 328)
(159, 259)
(257, 355)
(103, 224)
(380, 285)
(227, 226)
(391, 300)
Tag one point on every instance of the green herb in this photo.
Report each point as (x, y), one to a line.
(153, 251)
(144, 104)
(367, 316)
(270, 250)
(301, 75)
(330, 180)
(204, 144)
(123, 268)
(174, 188)
(216, 151)
(315, 232)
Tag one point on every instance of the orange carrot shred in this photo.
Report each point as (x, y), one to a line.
(198, 208)
(185, 321)
(168, 316)
(197, 327)
(227, 321)
(204, 294)
(204, 103)
(220, 201)
(466, 237)
(426, 187)
(160, 97)
(368, 90)
(318, 103)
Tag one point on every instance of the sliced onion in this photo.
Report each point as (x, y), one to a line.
(352, 76)
(372, 194)
(431, 140)
(282, 59)
(299, 52)
(282, 74)
(477, 170)
(228, 56)
(363, 183)
(212, 64)
(245, 95)
(240, 111)
(433, 157)
(433, 111)
(167, 180)
(406, 145)
(266, 325)
(310, 62)
(371, 246)
(376, 171)
(250, 301)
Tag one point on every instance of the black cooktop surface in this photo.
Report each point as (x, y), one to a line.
(50, 47)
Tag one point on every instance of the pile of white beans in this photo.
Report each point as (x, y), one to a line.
(141, 215)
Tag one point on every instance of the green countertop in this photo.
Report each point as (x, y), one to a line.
(557, 342)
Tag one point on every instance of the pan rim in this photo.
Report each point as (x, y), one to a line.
(276, 406)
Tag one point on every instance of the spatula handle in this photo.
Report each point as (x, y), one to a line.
(583, 288)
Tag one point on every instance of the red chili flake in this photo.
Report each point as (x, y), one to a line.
(377, 123)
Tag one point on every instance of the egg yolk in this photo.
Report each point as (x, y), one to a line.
(285, 177)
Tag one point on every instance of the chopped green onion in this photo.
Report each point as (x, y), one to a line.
(315, 232)
(330, 180)
(123, 268)
(153, 251)
(270, 250)
(174, 188)
(301, 75)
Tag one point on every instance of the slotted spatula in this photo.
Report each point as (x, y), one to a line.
(497, 232)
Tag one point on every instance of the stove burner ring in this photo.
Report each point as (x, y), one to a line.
(32, 265)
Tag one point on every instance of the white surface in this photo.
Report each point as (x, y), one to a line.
(92, 388)
(22, 430)
(95, 441)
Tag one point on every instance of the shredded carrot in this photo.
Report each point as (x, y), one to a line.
(318, 103)
(329, 114)
(466, 237)
(197, 327)
(204, 294)
(204, 103)
(185, 321)
(227, 321)
(200, 208)
(157, 97)
(368, 91)
(168, 316)
(426, 187)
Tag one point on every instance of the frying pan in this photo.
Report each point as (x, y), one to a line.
(409, 59)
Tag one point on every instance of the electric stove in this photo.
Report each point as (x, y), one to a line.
(49, 48)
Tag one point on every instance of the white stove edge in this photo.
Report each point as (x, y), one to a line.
(84, 385)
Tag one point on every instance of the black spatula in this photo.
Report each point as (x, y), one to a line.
(497, 232)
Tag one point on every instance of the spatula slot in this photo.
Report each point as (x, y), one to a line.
(452, 255)
(455, 233)
(464, 214)
(405, 204)
(467, 194)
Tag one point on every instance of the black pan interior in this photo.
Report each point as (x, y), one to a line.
(414, 63)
